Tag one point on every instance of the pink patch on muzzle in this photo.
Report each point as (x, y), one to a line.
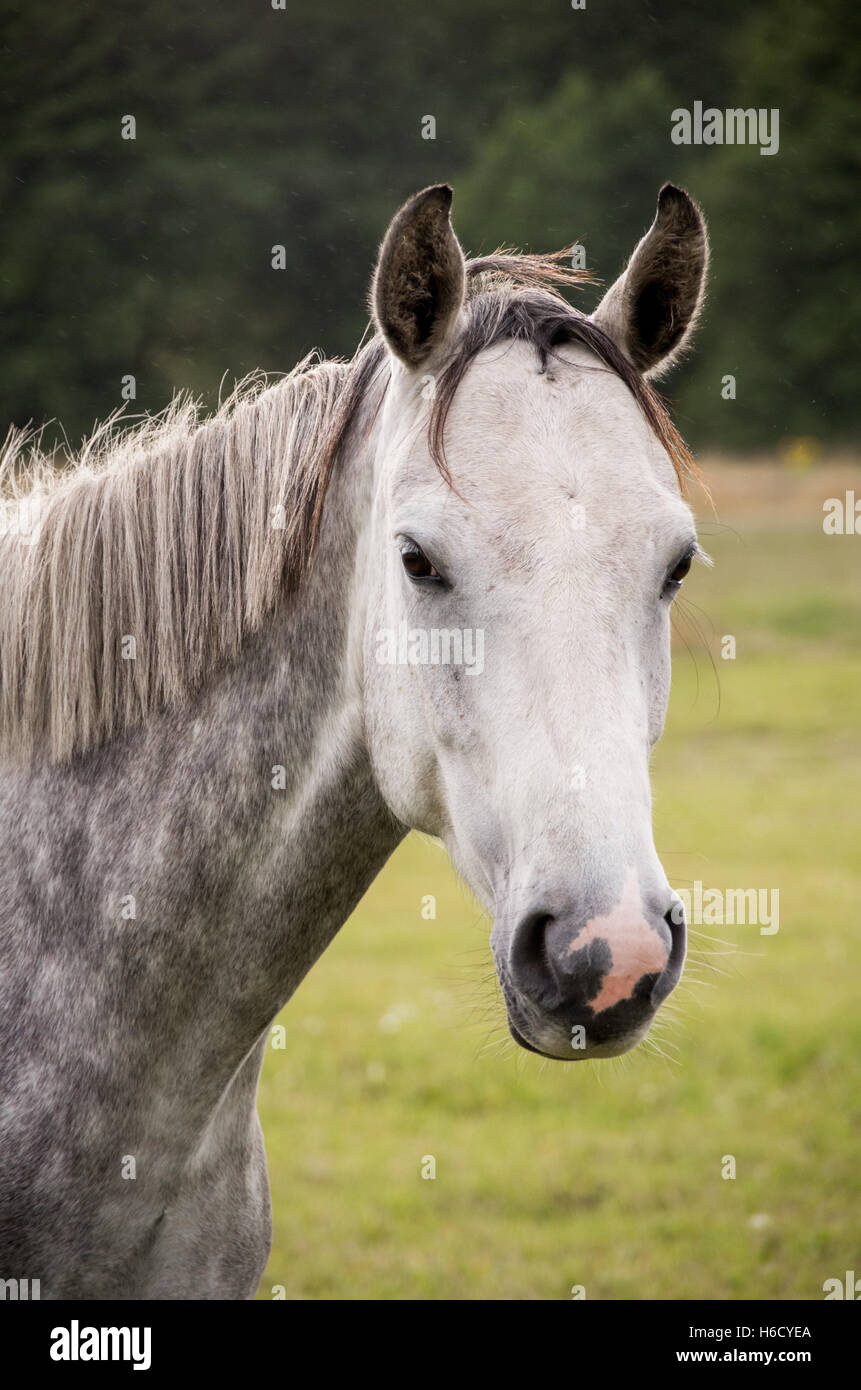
(635, 947)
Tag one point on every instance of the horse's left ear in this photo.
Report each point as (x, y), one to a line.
(651, 309)
(418, 285)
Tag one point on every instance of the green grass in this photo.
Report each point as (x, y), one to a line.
(608, 1175)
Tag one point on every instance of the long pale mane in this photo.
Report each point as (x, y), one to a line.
(178, 533)
(183, 534)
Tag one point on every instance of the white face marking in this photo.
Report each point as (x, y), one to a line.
(556, 545)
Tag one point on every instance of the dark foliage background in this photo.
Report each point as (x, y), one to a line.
(304, 127)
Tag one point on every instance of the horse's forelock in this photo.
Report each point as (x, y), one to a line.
(515, 297)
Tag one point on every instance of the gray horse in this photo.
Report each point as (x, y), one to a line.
(210, 748)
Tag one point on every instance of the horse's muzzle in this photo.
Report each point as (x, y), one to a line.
(589, 989)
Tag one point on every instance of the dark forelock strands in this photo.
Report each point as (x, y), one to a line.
(513, 296)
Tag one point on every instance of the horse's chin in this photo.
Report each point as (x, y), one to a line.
(556, 1046)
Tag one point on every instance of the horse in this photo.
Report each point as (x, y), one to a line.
(204, 761)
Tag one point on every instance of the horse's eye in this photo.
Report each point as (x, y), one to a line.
(416, 563)
(677, 575)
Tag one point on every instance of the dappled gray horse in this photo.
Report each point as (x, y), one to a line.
(209, 749)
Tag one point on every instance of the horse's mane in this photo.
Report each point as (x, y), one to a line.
(183, 533)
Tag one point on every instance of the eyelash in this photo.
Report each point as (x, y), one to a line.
(684, 562)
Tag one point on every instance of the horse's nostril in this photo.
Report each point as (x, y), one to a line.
(530, 960)
(675, 920)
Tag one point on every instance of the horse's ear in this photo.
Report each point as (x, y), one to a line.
(417, 291)
(651, 309)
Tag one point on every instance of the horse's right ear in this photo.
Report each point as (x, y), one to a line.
(418, 286)
(651, 309)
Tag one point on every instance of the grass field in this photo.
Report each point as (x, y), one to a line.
(608, 1175)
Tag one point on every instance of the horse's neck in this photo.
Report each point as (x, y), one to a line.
(295, 828)
(199, 867)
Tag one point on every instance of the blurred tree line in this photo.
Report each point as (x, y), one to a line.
(303, 127)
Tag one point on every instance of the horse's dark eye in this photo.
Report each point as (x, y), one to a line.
(416, 563)
(682, 568)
